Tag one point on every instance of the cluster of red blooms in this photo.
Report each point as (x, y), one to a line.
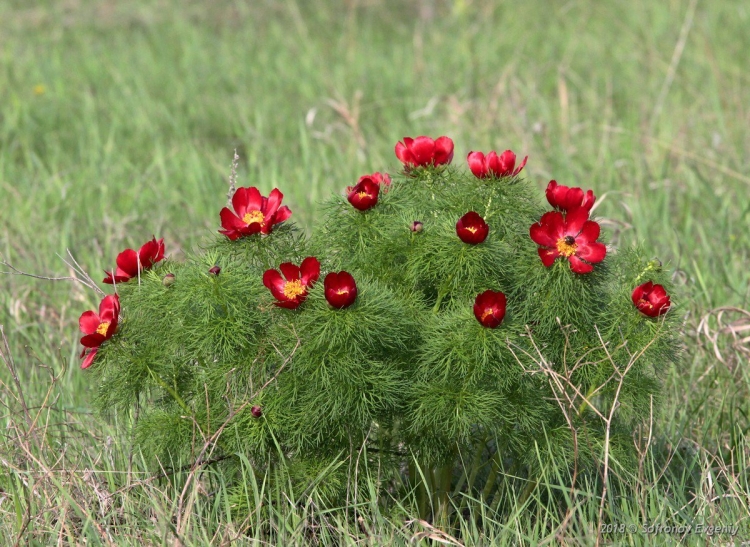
(566, 232)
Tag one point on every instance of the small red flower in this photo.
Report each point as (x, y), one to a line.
(491, 165)
(381, 179)
(489, 308)
(98, 327)
(364, 195)
(292, 291)
(416, 226)
(472, 229)
(131, 263)
(340, 289)
(215, 270)
(253, 213)
(569, 199)
(256, 411)
(573, 237)
(651, 300)
(424, 151)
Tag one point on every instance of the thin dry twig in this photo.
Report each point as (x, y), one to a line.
(233, 178)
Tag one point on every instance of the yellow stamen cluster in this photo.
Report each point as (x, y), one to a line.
(486, 313)
(102, 328)
(253, 217)
(293, 289)
(565, 248)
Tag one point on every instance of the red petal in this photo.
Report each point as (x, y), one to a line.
(572, 200)
(275, 283)
(574, 222)
(507, 162)
(281, 215)
(555, 193)
(443, 153)
(540, 234)
(548, 256)
(89, 358)
(109, 307)
(588, 200)
(592, 252)
(230, 221)
(288, 304)
(127, 261)
(93, 340)
(403, 153)
(423, 149)
(240, 200)
(476, 164)
(151, 252)
(555, 225)
(272, 205)
(310, 271)
(579, 266)
(88, 322)
(520, 167)
(589, 233)
(290, 271)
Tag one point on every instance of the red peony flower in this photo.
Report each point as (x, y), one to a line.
(573, 237)
(130, 264)
(256, 411)
(340, 289)
(98, 327)
(381, 179)
(424, 151)
(493, 165)
(292, 291)
(214, 270)
(471, 228)
(569, 199)
(489, 308)
(651, 300)
(364, 195)
(253, 213)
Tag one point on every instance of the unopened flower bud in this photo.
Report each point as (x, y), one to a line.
(416, 226)
(256, 411)
(215, 270)
(168, 279)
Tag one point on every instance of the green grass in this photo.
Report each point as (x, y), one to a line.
(119, 120)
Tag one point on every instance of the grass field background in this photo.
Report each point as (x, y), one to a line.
(118, 120)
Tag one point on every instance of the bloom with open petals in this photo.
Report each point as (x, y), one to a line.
(130, 263)
(489, 308)
(493, 165)
(424, 151)
(472, 229)
(572, 237)
(569, 199)
(253, 213)
(364, 195)
(651, 300)
(291, 289)
(98, 327)
(340, 289)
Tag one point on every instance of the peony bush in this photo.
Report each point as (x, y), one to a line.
(461, 328)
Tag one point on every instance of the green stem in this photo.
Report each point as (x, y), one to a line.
(492, 477)
(171, 391)
(444, 290)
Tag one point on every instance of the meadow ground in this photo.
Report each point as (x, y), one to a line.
(119, 120)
